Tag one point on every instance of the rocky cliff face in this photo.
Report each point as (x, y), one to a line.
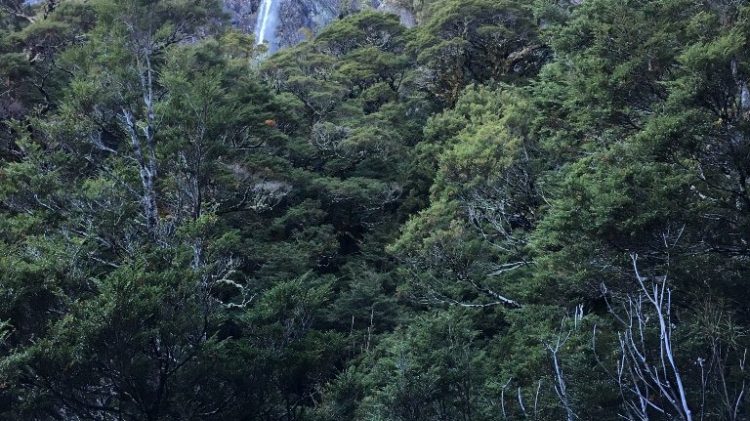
(243, 13)
(298, 20)
(301, 19)
(397, 8)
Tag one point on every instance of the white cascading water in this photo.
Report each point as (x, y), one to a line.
(265, 25)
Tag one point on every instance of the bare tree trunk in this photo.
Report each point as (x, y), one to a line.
(146, 171)
(143, 141)
(560, 387)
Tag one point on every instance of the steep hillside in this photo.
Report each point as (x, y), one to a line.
(514, 210)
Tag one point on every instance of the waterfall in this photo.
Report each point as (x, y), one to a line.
(265, 25)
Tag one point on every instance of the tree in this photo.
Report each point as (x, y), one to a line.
(475, 41)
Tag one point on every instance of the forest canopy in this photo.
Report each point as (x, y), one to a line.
(514, 210)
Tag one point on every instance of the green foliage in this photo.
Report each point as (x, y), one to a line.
(431, 370)
(476, 41)
(514, 210)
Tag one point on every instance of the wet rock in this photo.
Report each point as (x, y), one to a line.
(396, 7)
(301, 19)
(242, 13)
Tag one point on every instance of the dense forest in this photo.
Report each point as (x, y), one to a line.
(516, 209)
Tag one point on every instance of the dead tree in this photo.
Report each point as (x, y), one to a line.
(648, 374)
(554, 347)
